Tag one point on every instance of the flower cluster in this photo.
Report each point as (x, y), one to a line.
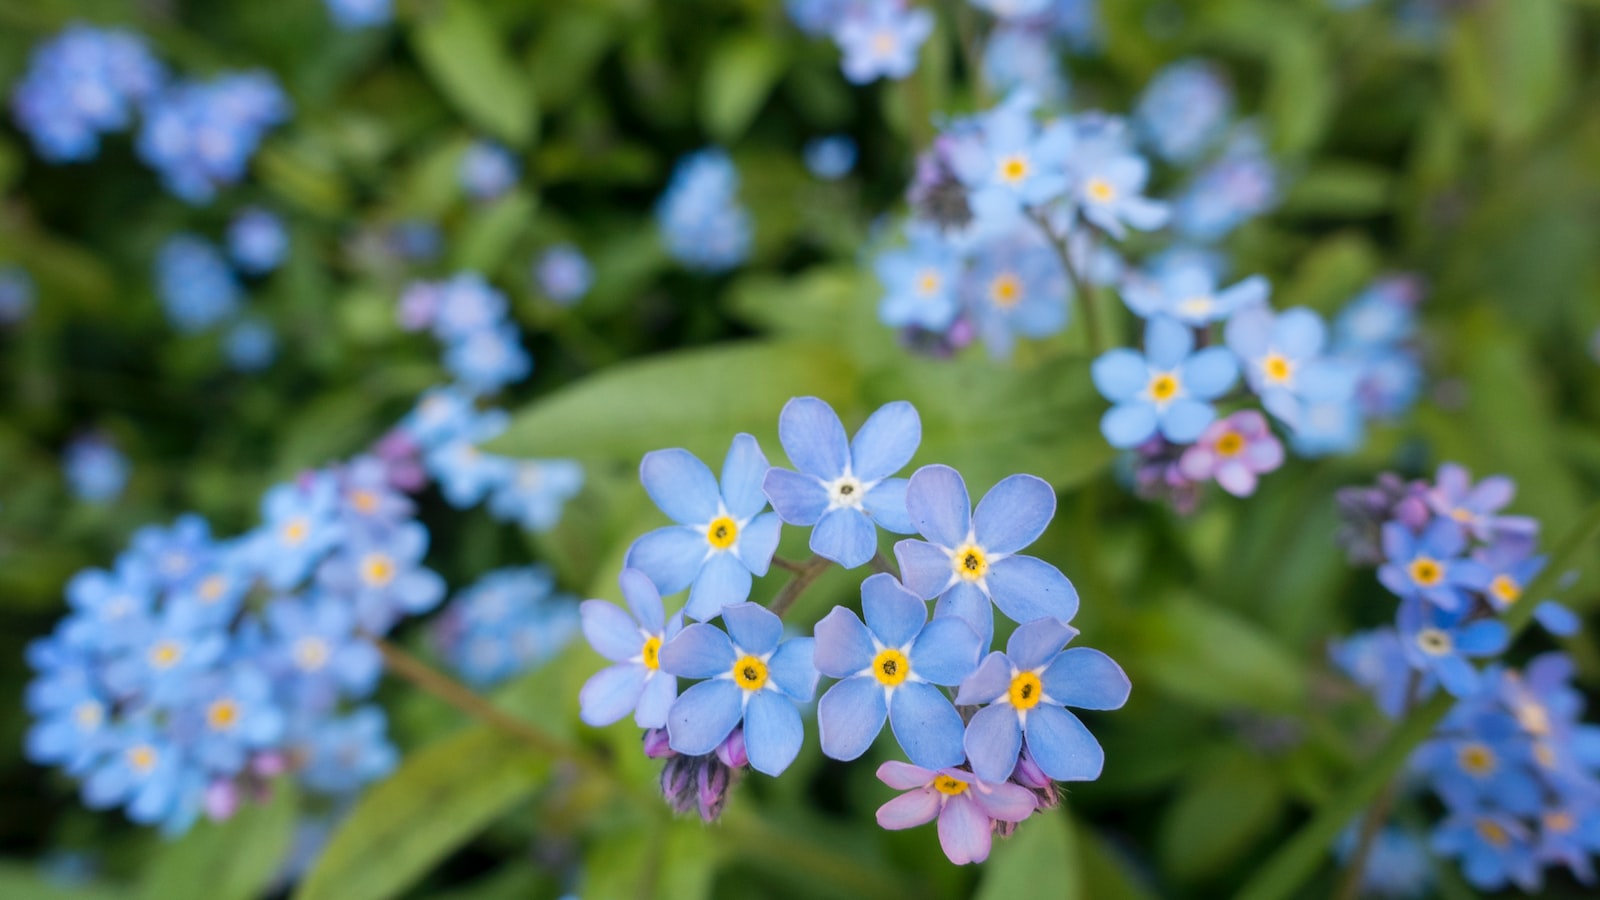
(470, 317)
(81, 84)
(699, 216)
(1516, 768)
(510, 621)
(201, 136)
(987, 736)
(199, 290)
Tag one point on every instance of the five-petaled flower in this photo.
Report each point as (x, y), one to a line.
(1168, 389)
(1429, 565)
(635, 683)
(1438, 641)
(966, 807)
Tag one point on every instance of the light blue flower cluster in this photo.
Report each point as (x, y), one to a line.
(487, 170)
(510, 621)
(563, 274)
(701, 221)
(195, 284)
(483, 349)
(258, 242)
(351, 15)
(83, 83)
(1516, 768)
(1184, 110)
(1376, 332)
(891, 663)
(16, 295)
(201, 136)
(96, 470)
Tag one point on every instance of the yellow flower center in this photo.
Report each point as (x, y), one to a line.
(891, 667)
(1544, 754)
(1434, 642)
(377, 570)
(1533, 718)
(884, 43)
(1426, 572)
(928, 283)
(365, 502)
(1196, 306)
(166, 654)
(1464, 516)
(89, 715)
(142, 757)
(1476, 759)
(295, 531)
(950, 787)
(1026, 690)
(1100, 190)
(212, 588)
(722, 532)
(1013, 168)
(1505, 590)
(970, 562)
(311, 653)
(750, 673)
(1277, 368)
(1560, 822)
(1230, 443)
(222, 715)
(650, 653)
(1492, 833)
(1164, 387)
(1005, 290)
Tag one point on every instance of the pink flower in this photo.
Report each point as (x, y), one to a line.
(1234, 451)
(967, 809)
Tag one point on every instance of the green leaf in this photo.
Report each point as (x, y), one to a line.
(566, 52)
(696, 399)
(835, 305)
(439, 799)
(493, 230)
(1206, 655)
(32, 883)
(1510, 64)
(1300, 91)
(739, 76)
(232, 860)
(1045, 846)
(460, 50)
(1221, 812)
(1342, 190)
(666, 861)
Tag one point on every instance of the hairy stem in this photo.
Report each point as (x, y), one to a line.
(808, 572)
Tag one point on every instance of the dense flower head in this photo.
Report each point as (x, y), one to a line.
(701, 221)
(201, 136)
(96, 471)
(81, 84)
(16, 295)
(830, 157)
(258, 242)
(195, 284)
(1184, 109)
(507, 623)
(881, 39)
(487, 170)
(1167, 390)
(564, 274)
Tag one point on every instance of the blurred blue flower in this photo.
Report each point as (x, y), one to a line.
(368, 501)
(1013, 9)
(1184, 110)
(83, 83)
(919, 282)
(16, 295)
(1508, 566)
(315, 654)
(299, 526)
(1108, 183)
(355, 14)
(1438, 642)
(1429, 565)
(257, 241)
(635, 682)
(140, 769)
(487, 170)
(1189, 293)
(446, 413)
(564, 274)
(70, 713)
(699, 216)
(537, 492)
(163, 657)
(1283, 361)
(464, 305)
(466, 474)
(196, 286)
(1167, 390)
(344, 754)
(489, 359)
(830, 158)
(1241, 184)
(1016, 287)
(231, 715)
(1398, 864)
(175, 554)
(96, 470)
(1494, 850)
(201, 136)
(1376, 661)
(508, 622)
(383, 578)
(1475, 507)
(251, 345)
(881, 40)
(1010, 164)
(108, 607)
(1023, 59)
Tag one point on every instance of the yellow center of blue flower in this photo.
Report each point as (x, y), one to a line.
(1277, 369)
(1533, 718)
(750, 673)
(377, 570)
(722, 532)
(1198, 305)
(1230, 443)
(365, 502)
(166, 654)
(1476, 759)
(1005, 290)
(1013, 168)
(295, 531)
(212, 588)
(1026, 690)
(1426, 571)
(1163, 387)
(1544, 754)
(950, 787)
(222, 715)
(891, 667)
(1434, 642)
(1462, 515)
(928, 283)
(1100, 190)
(1492, 832)
(1505, 589)
(970, 563)
(142, 757)
(1560, 822)
(650, 653)
(89, 715)
(311, 653)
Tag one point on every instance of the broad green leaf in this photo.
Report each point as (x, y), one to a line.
(288, 173)
(493, 230)
(441, 797)
(1301, 91)
(1223, 810)
(1330, 273)
(1111, 872)
(1043, 851)
(737, 80)
(1511, 63)
(233, 860)
(1206, 655)
(461, 51)
(696, 399)
(674, 860)
(834, 305)
(566, 51)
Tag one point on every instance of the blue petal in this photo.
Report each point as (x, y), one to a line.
(1484, 638)
(946, 651)
(886, 441)
(893, 614)
(1120, 374)
(843, 645)
(611, 693)
(924, 568)
(671, 557)
(968, 603)
(1038, 641)
(813, 438)
(1129, 424)
(742, 474)
(1062, 746)
(939, 506)
(992, 742)
(1086, 679)
(1185, 420)
(1166, 342)
(772, 732)
(1210, 372)
(704, 715)
(886, 504)
(1298, 333)
(798, 499)
(655, 701)
(681, 485)
(758, 541)
(723, 581)
(1557, 619)
(643, 599)
(845, 536)
(699, 651)
(1249, 332)
(793, 669)
(753, 628)
(1014, 513)
(609, 630)
(850, 716)
(1027, 588)
(1457, 675)
(928, 728)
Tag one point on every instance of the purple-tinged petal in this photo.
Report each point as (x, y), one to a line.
(753, 628)
(946, 651)
(886, 504)
(1005, 802)
(655, 701)
(1210, 372)
(918, 807)
(772, 732)
(928, 728)
(797, 498)
(758, 541)
(886, 441)
(643, 598)
(723, 581)
(704, 715)
(1236, 478)
(1014, 513)
(1062, 746)
(939, 506)
(925, 568)
(1037, 641)
(1120, 375)
(904, 776)
(964, 831)
(1557, 619)
(1129, 424)
(844, 645)
(988, 682)
(850, 716)
(611, 693)
(681, 485)
(1027, 588)
(1087, 679)
(609, 630)
(793, 669)
(671, 557)
(743, 472)
(699, 651)
(845, 536)
(1492, 494)
(1167, 341)
(993, 740)
(813, 437)
(893, 614)
(966, 602)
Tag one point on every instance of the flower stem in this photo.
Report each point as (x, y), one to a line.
(788, 565)
(882, 564)
(1080, 288)
(809, 571)
(1377, 813)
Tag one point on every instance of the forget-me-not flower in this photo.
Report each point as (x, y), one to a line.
(1167, 390)
(919, 282)
(1475, 507)
(383, 578)
(635, 682)
(1438, 641)
(1429, 565)
(882, 41)
(1189, 293)
(967, 808)
(1283, 363)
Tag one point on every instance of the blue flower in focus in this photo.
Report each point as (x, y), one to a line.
(844, 488)
(830, 158)
(1242, 184)
(699, 216)
(508, 622)
(1108, 185)
(1283, 362)
(564, 274)
(232, 714)
(722, 537)
(1438, 642)
(919, 282)
(1184, 110)
(384, 578)
(466, 474)
(201, 136)
(314, 653)
(537, 492)
(970, 558)
(257, 241)
(888, 669)
(1026, 690)
(635, 682)
(299, 525)
(355, 14)
(1189, 294)
(882, 40)
(1010, 164)
(751, 675)
(345, 754)
(81, 84)
(251, 345)
(1494, 849)
(196, 286)
(487, 170)
(486, 361)
(96, 471)
(1430, 565)
(1166, 390)
(16, 295)
(1017, 287)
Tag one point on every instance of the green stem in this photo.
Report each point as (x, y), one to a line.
(809, 571)
(1376, 815)
(788, 565)
(882, 564)
(1080, 288)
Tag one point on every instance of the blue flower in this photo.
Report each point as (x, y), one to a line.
(368, 501)
(175, 554)
(970, 559)
(1013, 9)
(109, 607)
(1507, 568)
(563, 274)
(830, 158)
(750, 677)
(342, 755)
(96, 471)
(16, 295)
(383, 578)
(217, 588)
(1398, 865)
(195, 284)
(164, 657)
(1017, 287)
(1329, 419)
(466, 474)
(1474, 507)
(636, 682)
(1429, 565)
(919, 283)
(1438, 642)
(1494, 849)
(882, 41)
(1108, 191)
(1382, 316)
(1010, 164)
(231, 715)
(699, 216)
(70, 713)
(888, 669)
(1479, 769)
(141, 769)
(506, 623)
(1023, 59)
(82, 83)
(487, 170)
(1283, 363)
(1184, 109)
(299, 525)
(537, 492)
(1241, 184)
(355, 14)
(1189, 294)
(1165, 390)
(257, 241)
(1027, 689)
(315, 654)
(444, 414)
(466, 304)
(722, 537)
(251, 345)
(843, 487)
(1376, 661)
(201, 136)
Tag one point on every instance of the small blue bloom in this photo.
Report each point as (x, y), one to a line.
(1010, 164)
(1189, 294)
(1022, 58)
(216, 591)
(1438, 642)
(487, 170)
(251, 345)
(1330, 417)
(750, 675)
(1475, 770)
(231, 715)
(830, 158)
(722, 538)
(299, 525)
(844, 487)
(1242, 184)
(486, 361)
(314, 653)
(564, 274)
(351, 15)
(636, 682)
(1507, 568)
(1398, 864)
(383, 578)
(1165, 390)
(508, 622)
(175, 554)
(699, 216)
(257, 241)
(96, 471)
(466, 304)
(345, 754)
(1382, 316)
(919, 283)
(164, 656)
(1494, 849)
(1429, 565)
(444, 414)
(888, 669)
(1013, 9)
(16, 295)
(1017, 287)
(1376, 661)
(197, 288)
(1027, 689)
(970, 558)
(141, 769)
(200, 136)
(71, 716)
(1184, 110)
(537, 492)
(108, 608)
(1475, 507)
(882, 41)
(1283, 362)
(368, 501)
(1108, 190)
(466, 474)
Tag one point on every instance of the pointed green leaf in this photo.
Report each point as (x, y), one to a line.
(738, 78)
(468, 61)
(1043, 849)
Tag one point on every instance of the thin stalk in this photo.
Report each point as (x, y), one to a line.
(882, 564)
(1080, 288)
(1377, 814)
(788, 565)
(810, 570)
